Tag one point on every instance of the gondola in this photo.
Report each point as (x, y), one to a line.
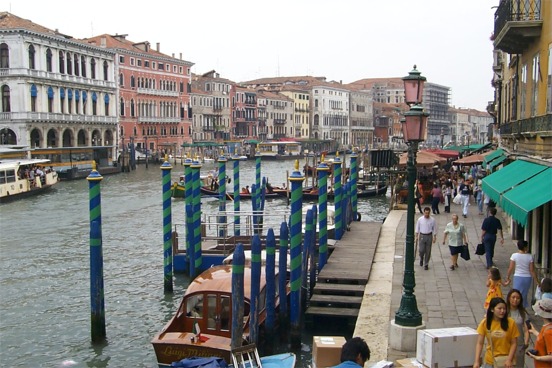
(312, 193)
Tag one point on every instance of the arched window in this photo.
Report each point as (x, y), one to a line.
(76, 63)
(83, 66)
(93, 68)
(121, 80)
(49, 60)
(6, 98)
(31, 57)
(84, 99)
(50, 99)
(106, 103)
(34, 93)
(122, 107)
(61, 62)
(105, 70)
(61, 100)
(132, 108)
(132, 81)
(4, 56)
(69, 64)
(94, 103)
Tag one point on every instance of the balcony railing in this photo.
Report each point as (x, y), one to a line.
(154, 119)
(53, 117)
(279, 121)
(157, 92)
(53, 76)
(531, 125)
(517, 23)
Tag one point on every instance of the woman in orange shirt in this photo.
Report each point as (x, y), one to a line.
(543, 346)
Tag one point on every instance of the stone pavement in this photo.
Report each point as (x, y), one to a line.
(445, 298)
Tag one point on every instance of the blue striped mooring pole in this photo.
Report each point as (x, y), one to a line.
(323, 170)
(354, 181)
(196, 204)
(167, 227)
(97, 304)
(337, 198)
(238, 265)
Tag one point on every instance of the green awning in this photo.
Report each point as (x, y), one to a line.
(508, 177)
(491, 156)
(496, 162)
(524, 198)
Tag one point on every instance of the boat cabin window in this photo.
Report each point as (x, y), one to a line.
(225, 313)
(7, 176)
(212, 315)
(194, 306)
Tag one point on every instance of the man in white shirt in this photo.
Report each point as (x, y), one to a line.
(426, 235)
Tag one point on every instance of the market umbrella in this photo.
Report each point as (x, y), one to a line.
(470, 160)
(424, 158)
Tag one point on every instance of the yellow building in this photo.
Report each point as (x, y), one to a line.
(301, 103)
(522, 110)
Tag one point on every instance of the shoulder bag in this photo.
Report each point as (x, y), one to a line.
(457, 199)
(498, 361)
(480, 250)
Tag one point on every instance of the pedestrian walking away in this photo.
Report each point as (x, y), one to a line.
(501, 334)
(457, 236)
(489, 229)
(436, 196)
(426, 235)
(494, 285)
(523, 268)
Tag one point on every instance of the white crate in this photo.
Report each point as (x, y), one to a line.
(446, 347)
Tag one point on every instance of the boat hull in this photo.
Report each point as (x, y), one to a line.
(174, 346)
(32, 192)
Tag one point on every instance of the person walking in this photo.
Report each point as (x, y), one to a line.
(354, 353)
(426, 235)
(436, 195)
(464, 190)
(501, 334)
(418, 194)
(516, 311)
(489, 229)
(448, 195)
(494, 285)
(523, 267)
(457, 236)
(543, 345)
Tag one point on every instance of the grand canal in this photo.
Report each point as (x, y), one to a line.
(44, 269)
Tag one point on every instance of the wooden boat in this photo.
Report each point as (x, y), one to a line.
(207, 303)
(16, 182)
(312, 193)
(179, 187)
(207, 191)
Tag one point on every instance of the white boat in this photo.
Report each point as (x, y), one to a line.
(17, 181)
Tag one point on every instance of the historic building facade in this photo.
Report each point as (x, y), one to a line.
(57, 91)
(154, 94)
(276, 114)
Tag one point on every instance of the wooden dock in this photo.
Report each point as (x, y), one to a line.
(340, 284)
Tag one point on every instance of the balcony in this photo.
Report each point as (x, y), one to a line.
(52, 118)
(159, 120)
(279, 121)
(517, 24)
(531, 126)
(157, 92)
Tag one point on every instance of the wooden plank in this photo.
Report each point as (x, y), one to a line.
(336, 299)
(343, 288)
(332, 311)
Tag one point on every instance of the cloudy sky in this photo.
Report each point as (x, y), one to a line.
(343, 40)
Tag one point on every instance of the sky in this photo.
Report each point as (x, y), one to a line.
(343, 40)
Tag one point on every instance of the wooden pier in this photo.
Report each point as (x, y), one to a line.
(340, 285)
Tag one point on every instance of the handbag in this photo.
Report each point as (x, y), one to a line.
(480, 249)
(465, 252)
(457, 199)
(498, 361)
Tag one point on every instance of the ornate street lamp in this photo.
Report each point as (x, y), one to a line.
(414, 127)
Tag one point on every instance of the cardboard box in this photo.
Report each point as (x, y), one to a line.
(326, 351)
(446, 347)
(409, 363)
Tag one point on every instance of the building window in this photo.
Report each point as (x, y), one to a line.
(34, 93)
(6, 99)
(106, 104)
(132, 61)
(61, 99)
(549, 83)
(121, 80)
(122, 107)
(4, 56)
(139, 62)
(535, 86)
(76, 63)
(523, 91)
(146, 64)
(84, 99)
(49, 60)
(69, 64)
(132, 81)
(61, 62)
(132, 112)
(93, 68)
(121, 59)
(50, 99)
(94, 104)
(105, 70)
(83, 66)
(31, 57)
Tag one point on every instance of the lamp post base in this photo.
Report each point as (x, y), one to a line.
(403, 338)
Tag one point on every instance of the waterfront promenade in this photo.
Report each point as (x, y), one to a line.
(445, 298)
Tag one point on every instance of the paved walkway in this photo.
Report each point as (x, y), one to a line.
(445, 298)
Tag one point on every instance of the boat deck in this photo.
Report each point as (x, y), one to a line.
(340, 285)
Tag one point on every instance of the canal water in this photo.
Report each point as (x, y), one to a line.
(45, 279)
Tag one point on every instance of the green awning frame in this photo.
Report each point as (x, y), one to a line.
(496, 162)
(524, 198)
(508, 177)
(499, 152)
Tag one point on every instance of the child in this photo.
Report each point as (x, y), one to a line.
(494, 283)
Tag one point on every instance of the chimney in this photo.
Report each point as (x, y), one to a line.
(180, 56)
(173, 55)
(103, 42)
(158, 47)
